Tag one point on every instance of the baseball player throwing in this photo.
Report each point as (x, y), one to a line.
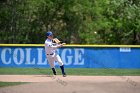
(52, 56)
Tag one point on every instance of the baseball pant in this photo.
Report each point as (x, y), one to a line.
(52, 58)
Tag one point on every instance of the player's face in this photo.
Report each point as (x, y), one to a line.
(50, 37)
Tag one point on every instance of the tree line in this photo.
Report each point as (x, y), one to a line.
(71, 21)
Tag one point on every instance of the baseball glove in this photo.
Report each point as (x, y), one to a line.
(57, 41)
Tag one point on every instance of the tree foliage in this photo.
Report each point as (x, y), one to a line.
(72, 21)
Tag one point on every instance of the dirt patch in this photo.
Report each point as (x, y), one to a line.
(71, 84)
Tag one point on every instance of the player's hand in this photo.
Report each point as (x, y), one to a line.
(64, 43)
(61, 45)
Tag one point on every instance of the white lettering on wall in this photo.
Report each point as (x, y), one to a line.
(79, 60)
(40, 61)
(21, 56)
(3, 56)
(28, 57)
(69, 57)
(75, 58)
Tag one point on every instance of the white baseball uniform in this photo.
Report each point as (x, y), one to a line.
(51, 54)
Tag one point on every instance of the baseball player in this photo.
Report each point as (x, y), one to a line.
(52, 56)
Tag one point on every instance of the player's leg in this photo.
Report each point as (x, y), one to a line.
(63, 71)
(58, 59)
(51, 63)
(54, 71)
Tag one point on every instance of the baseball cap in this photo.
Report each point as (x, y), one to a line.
(49, 33)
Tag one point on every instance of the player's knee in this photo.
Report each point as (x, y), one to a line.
(60, 63)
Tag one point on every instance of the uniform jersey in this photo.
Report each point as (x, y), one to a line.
(50, 47)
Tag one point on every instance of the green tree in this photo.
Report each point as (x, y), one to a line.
(73, 21)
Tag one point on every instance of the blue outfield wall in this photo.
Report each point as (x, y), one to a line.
(72, 56)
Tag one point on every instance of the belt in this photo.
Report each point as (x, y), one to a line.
(50, 54)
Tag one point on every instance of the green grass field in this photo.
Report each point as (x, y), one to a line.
(3, 84)
(71, 71)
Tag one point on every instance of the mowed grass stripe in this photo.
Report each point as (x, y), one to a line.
(71, 71)
(4, 84)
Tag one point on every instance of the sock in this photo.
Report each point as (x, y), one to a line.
(54, 72)
(62, 69)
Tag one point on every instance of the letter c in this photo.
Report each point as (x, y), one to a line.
(5, 52)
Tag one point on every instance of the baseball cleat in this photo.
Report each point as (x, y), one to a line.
(64, 75)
